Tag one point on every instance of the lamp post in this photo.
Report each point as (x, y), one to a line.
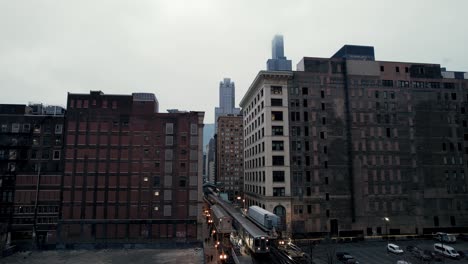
(387, 220)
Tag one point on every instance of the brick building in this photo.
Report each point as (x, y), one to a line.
(31, 172)
(229, 151)
(343, 142)
(131, 173)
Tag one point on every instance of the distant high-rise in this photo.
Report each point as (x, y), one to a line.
(229, 155)
(227, 95)
(278, 62)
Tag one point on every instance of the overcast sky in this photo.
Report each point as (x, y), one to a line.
(181, 50)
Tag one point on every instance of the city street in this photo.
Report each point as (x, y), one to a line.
(375, 252)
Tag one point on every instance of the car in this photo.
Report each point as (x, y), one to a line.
(433, 255)
(411, 248)
(419, 254)
(445, 238)
(463, 254)
(402, 262)
(463, 237)
(446, 251)
(394, 249)
(345, 257)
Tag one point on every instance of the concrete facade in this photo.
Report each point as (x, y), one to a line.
(263, 124)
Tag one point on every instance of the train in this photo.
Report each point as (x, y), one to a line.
(254, 238)
(263, 217)
(221, 220)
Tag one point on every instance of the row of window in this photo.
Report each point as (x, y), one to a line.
(26, 128)
(85, 103)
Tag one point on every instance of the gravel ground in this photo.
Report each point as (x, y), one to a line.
(118, 256)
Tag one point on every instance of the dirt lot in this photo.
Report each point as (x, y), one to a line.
(118, 256)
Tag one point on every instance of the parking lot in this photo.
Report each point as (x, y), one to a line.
(376, 252)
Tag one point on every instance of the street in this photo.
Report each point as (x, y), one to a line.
(376, 253)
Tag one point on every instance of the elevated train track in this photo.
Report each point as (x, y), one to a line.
(259, 240)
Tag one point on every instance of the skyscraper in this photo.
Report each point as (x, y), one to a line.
(227, 95)
(229, 152)
(278, 62)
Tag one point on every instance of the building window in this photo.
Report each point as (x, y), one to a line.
(193, 129)
(279, 191)
(278, 176)
(298, 209)
(156, 182)
(397, 69)
(56, 155)
(387, 83)
(37, 128)
(15, 127)
(169, 140)
(182, 181)
(305, 90)
(276, 90)
(277, 130)
(276, 102)
(167, 210)
(58, 129)
(168, 154)
(277, 145)
(382, 68)
(169, 128)
(278, 161)
(276, 115)
(168, 167)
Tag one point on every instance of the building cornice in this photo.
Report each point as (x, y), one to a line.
(261, 76)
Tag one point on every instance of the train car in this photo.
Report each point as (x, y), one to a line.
(221, 220)
(263, 217)
(253, 237)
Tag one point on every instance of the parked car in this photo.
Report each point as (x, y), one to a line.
(411, 248)
(433, 255)
(402, 262)
(446, 251)
(394, 249)
(419, 254)
(445, 238)
(463, 254)
(345, 257)
(463, 237)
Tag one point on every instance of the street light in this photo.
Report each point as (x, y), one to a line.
(387, 220)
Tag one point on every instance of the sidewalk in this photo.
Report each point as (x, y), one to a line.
(211, 254)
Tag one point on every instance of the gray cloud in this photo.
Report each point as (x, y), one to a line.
(180, 50)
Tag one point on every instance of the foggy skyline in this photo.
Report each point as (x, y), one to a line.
(179, 50)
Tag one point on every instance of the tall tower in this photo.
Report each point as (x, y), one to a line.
(226, 100)
(278, 62)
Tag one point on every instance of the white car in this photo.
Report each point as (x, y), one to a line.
(446, 250)
(403, 262)
(394, 249)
